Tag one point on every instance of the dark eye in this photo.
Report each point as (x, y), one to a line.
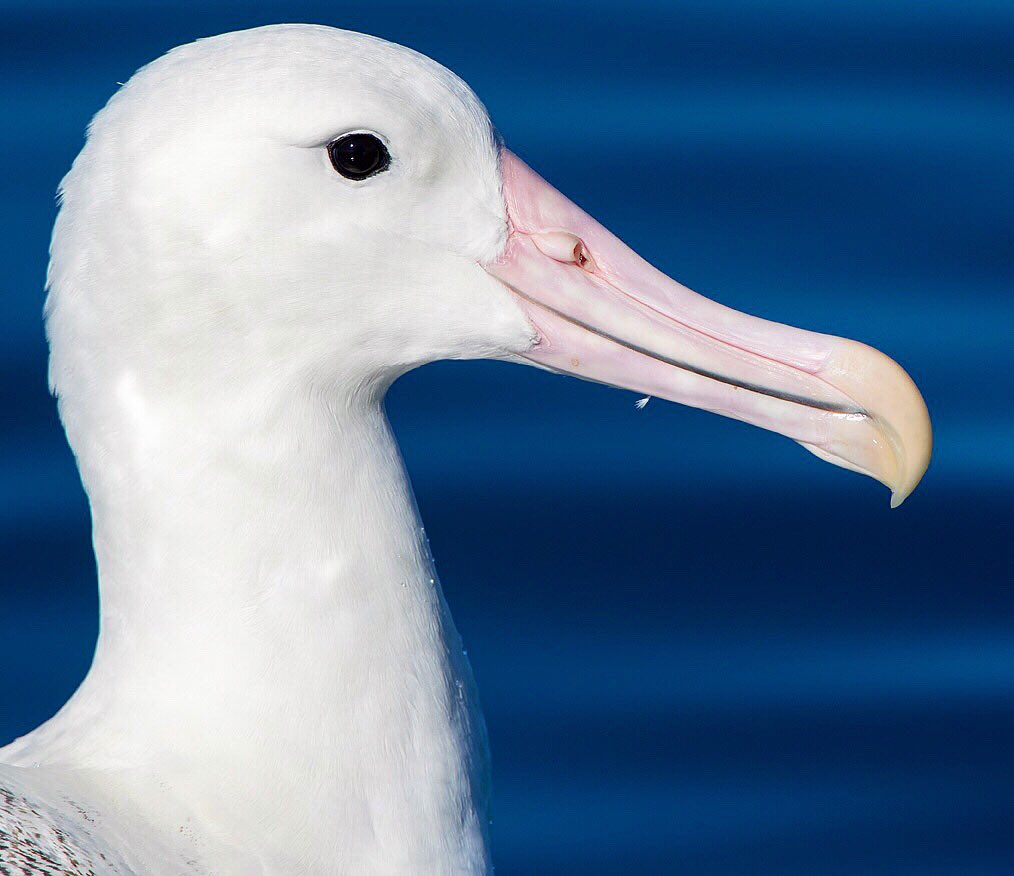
(358, 155)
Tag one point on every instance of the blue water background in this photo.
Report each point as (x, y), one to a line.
(700, 650)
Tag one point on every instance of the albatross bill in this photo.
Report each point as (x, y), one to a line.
(605, 314)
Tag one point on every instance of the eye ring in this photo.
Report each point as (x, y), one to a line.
(358, 155)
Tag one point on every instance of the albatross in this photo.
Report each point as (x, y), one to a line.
(263, 230)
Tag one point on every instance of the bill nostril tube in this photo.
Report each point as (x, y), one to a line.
(564, 247)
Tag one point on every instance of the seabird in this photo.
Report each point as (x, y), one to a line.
(262, 232)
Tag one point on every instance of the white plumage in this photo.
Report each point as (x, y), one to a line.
(275, 666)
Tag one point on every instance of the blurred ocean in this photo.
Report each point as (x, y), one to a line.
(700, 650)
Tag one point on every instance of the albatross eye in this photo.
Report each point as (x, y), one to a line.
(358, 155)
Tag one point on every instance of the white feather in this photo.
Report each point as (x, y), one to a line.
(277, 686)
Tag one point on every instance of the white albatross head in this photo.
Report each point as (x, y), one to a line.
(310, 207)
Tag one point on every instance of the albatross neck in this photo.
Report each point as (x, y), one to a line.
(272, 631)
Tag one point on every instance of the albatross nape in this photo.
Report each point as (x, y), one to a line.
(263, 231)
